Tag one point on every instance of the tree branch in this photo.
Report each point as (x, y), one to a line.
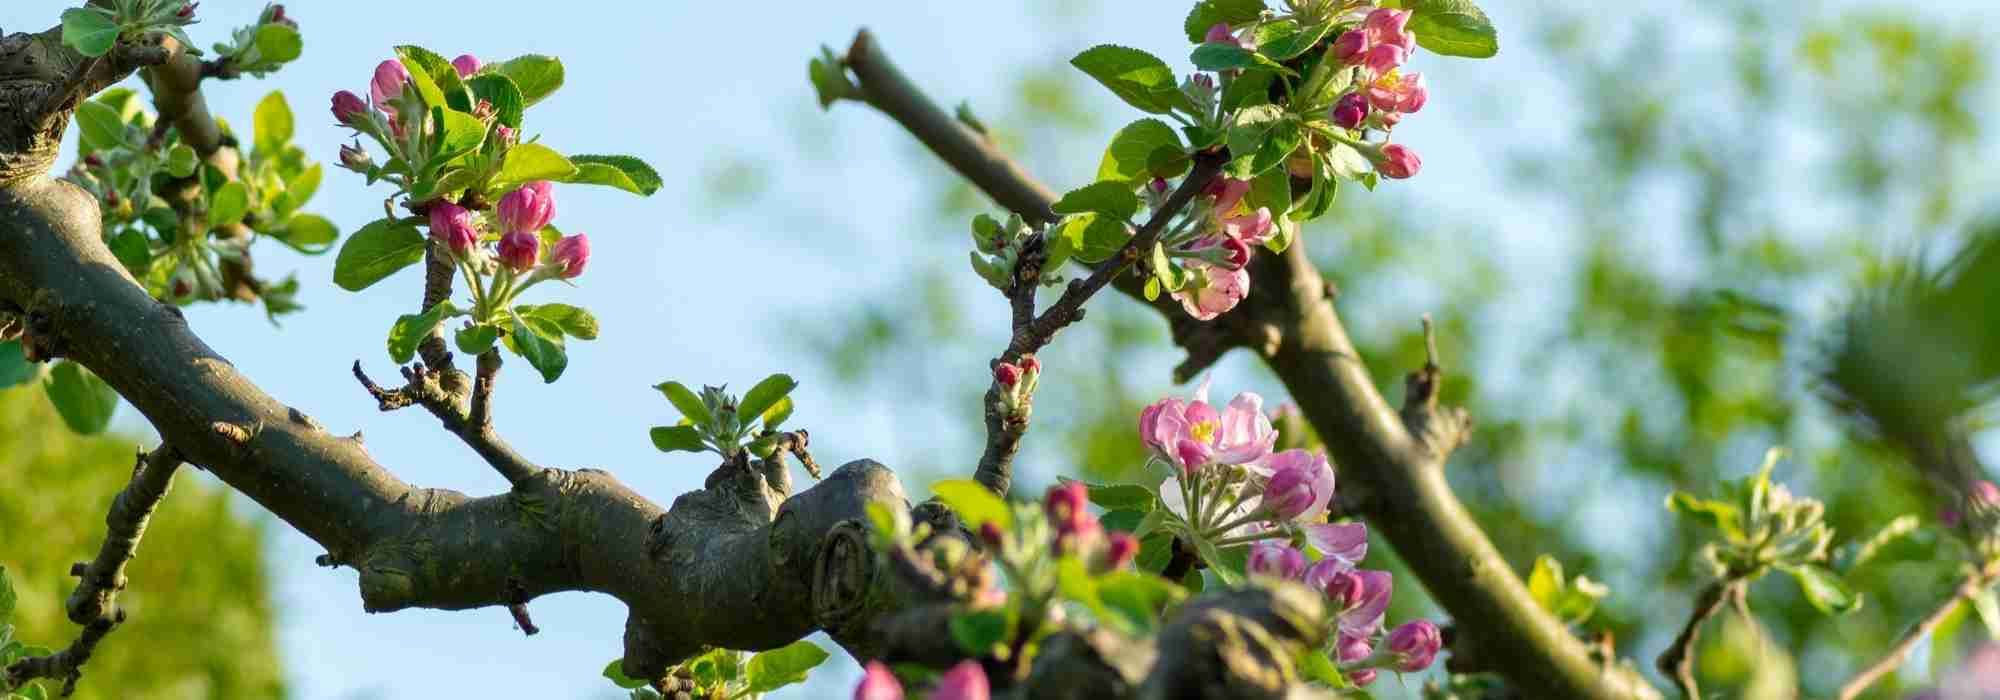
(1974, 584)
(1677, 662)
(1290, 320)
(94, 603)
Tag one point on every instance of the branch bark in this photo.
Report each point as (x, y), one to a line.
(1677, 662)
(1397, 458)
(1973, 585)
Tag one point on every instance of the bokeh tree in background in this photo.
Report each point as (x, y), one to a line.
(201, 626)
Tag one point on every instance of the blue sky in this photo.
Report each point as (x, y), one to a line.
(691, 87)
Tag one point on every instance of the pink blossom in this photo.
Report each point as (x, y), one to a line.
(1347, 541)
(571, 253)
(1228, 192)
(1253, 228)
(1290, 492)
(1236, 252)
(878, 683)
(466, 65)
(1309, 463)
(1350, 111)
(1354, 648)
(1382, 58)
(1271, 558)
(1219, 33)
(1361, 678)
(1361, 595)
(966, 681)
(390, 77)
(519, 251)
(1193, 433)
(1349, 47)
(1404, 93)
(1217, 290)
(1386, 25)
(1415, 644)
(1398, 161)
(1121, 548)
(529, 208)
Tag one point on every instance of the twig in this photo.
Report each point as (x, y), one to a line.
(1678, 660)
(1972, 586)
(423, 387)
(94, 603)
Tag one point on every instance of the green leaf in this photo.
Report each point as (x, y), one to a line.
(300, 189)
(777, 668)
(7, 597)
(1221, 57)
(528, 162)
(90, 31)
(1285, 39)
(308, 233)
(15, 369)
(616, 673)
(544, 354)
(687, 401)
(537, 76)
(435, 78)
(1716, 514)
(273, 123)
(1453, 28)
(1209, 12)
(411, 330)
(679, 438)
(1094, 238)
(1110, 198)
(974, 504)
(1139, 78)
(278, 44)
(181, 160)
(1248, 90)
(35, 691)
(979, 632)
(1261, 138)
(623, 172)
(501, 92)
(477, 339)
(1164, 269)
(766, 394)
(376, 251)
(1854, 556)
(84, 401)
(1824, 589)
(1143, 150)
(574, 322)
(228, 204)
(777, 414)
(1218, 562)
(1319, 668)
(101, 127)
(1133, 497)
(458, 133)
(1140, 598)
(1988, 609)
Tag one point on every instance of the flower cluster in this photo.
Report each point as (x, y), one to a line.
(515, 262)
(1017, 382)
(1358, 599)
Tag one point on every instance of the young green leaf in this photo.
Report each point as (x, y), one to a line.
(1143, 150)
(299, 189)
(765, 394)
(273, 123)
(100, 125)
(84, 401)
(181, 160)
(623, 172)
(458, 133)
(572, 321)
(1139, 78)
(1824, 589)
(501, 92)
(1716, 514)
(1110, 198)
(1453, 28)
(411, 330)
(307, 233)
(615, 671)
(777, 414)
(277, 45)
(975, 505)
(537, 76)
(7, 597)
(783, 666)
(91, 31)
(1115, 497)
(15, 369)
(1217, 56)
(532, 161)
(477, 339)
(376, 251)
(686, 401)
(679, 438)
(1094, 238)
(1285, 39)
(829, 79)
(228, 204)
(979, 632)
(544, 354)
(1209, 13)
(1140, 599)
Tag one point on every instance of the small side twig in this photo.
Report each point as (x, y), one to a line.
(1970, 588)
(94, 603)
(423, 387)
(1677, 661)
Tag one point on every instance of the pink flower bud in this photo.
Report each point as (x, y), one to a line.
(1204, 81)
(1008, 374)
(93, 161)
(1385, 24)
(1214, 292)
(1238, 253)
(1219, 34)
(529, 208)
(1349, 47)
(1122, 549)
(348, 108)
(1269, 558)
(1350, 111)
(1361, 678)
(1158, 185)
(1382, 58)
(990, 533)
(466, 64)
(1228, 193)
(519, 251)
(1344, 589)
(507, 135)
(1415, 644)
(1030, 364)
(1950, 517)
(1354, 648)
(1290, 493)
(452, 225)
(1068, 507)
(571, 253)
(966, 681)
(1399, 162)
(877, 683)
(276, 15)
(187, 11)
(390, 77)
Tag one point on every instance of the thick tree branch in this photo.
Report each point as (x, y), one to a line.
(1290, 320)
(94, 603)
